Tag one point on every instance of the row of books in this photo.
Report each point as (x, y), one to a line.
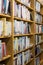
(22, 58)
(22, 12)
(5, 6)
(37, 61)
(37, 6)
(38, 28)
(21, 43)
(37, 49)
(42, 28)
(22, 27)
(27, 3)
(38, 18)
(3, 51)
(7, 29)
(38, 39)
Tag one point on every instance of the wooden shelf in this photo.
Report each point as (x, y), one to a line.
(38, 23)
(41, 61)
(29, 61)
(5, 15)
(39, 43)
(38, 33)
(21, 19)
(39, 13)
(31, 36)
(14, 58)
(19, 2)
(5, 37)
(24, 50)
(20, 35)
(38, 54)
(4, 58)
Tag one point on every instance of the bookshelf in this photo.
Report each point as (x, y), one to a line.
(39, 34)
(21, 32)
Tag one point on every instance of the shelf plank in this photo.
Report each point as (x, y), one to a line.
(38, 33)
(41, 61)
(21, 19)
(39, 43)
(5, 15)
(38, 23)
(5, 36)
(29, 61)
(38, 54)
(38, 12)
(24, 50)
(19, 35)
(14, 58)
(19, 2)
(4, 58)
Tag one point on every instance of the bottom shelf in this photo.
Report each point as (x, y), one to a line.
(4, 58)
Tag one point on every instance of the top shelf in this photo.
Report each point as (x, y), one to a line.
(19, 2)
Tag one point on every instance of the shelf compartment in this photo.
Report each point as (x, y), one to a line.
(19, 2)
(4, 58)
(24, 50)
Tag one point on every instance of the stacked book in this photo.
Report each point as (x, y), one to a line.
(38, 28)
(37, 50)
(2, 49)
(21, 28)
(38, 18)
(1, 27)
(7, 28)
(21, 43)
(22, 12)
(22, 58)
(38, 39)
(37, 61)
(5, 6)
(27, 3)
(42, 28)
(37, 6)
